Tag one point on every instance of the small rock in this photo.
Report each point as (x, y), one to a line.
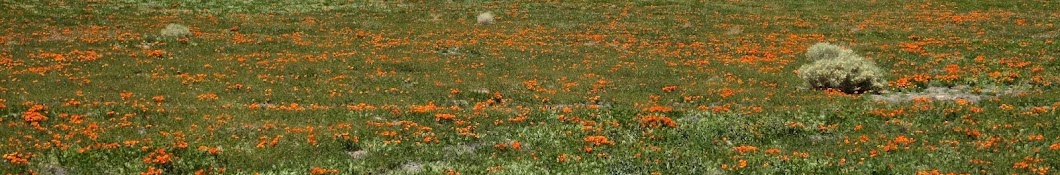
(54, 169)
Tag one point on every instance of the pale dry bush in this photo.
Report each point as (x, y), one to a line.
(485, 18)
(175, 31)
(841, 69)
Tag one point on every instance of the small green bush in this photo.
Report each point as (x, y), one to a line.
(845, 71)
(176, 30)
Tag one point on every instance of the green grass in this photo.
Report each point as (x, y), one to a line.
(547, 75)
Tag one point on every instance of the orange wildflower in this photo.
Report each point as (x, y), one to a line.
(159, 156)
(156, 53)
(658, 108)
(516, 145)
(262, 141)
(932, 172)
(312, 139)
(424, 108)
(669, 88)
(17, 158)
(598, 140)
(726, 93)
(320, 171)
(1006, 107)
(34, 114)
(654, 121)
(360, 107)
(903, 140)
(952, 69)
(207, 96)
(745, 149)
(210, 150)
(440, 117)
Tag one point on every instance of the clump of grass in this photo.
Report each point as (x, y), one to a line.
(840, 69)
(485, 18)
(176, 31)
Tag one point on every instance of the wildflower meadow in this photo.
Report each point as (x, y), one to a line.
(319, 87)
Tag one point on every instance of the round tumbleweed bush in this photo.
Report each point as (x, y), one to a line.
(846, 72)
(176, 30)
(485, 18)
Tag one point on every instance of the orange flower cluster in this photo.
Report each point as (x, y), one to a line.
(207, 96)
(86, 55)
(210, 150)
(514, 145)
(240, 38)
(17, 158)
(727, 92)
(911, 81)
(533, 85)
(656, 108)
(903, 140)
(887, 113)
(740, 164)
(424, 108)
(745, 149)
(159, 98)
(654, 121)
(156, 53)
(34, 114)
(598, 140)
(900, 140)
(669, 88)
(360, 107)
(263, 141)
(447, 117)
(1031, 163)
(160, 157)
(321, 171)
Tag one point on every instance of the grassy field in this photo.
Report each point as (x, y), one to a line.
(590, 87)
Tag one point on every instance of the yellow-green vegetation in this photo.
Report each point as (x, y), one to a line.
(176, 30)
(840, 69)
(600, 87)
